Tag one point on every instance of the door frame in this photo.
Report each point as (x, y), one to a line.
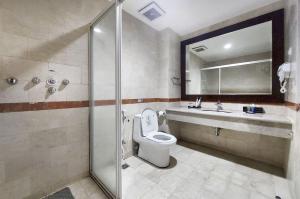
(117, 5)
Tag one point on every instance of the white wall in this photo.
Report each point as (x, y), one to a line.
(150, 59)
(292, 50)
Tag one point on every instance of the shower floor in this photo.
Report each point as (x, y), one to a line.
(202, 174)
(86, 189)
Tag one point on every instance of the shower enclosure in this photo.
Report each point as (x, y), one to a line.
(105, 100)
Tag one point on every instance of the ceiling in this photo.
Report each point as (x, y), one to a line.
(249, 41)
(187, 16)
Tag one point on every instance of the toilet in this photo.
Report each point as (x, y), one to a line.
(154, 146)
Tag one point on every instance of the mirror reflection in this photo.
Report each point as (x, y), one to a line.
(238, 62)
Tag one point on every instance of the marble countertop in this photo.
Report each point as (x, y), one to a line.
(265, 117)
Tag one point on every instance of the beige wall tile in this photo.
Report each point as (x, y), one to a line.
(73, 74)
(23, 69)
(84, 75)
(2, 172)
(258, 147)
(13, 45)
(47, 151)
(77, 92)
(16, 188)
(15, 93)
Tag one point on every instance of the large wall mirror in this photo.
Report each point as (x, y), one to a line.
(237, 63)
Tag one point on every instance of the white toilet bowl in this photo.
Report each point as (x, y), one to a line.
(154, 146)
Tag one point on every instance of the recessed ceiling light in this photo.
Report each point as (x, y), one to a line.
(98, 30)
(227, 46)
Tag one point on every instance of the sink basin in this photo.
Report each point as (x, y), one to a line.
(214, 110)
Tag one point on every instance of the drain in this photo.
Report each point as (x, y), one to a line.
(125, 166)
(277, 197)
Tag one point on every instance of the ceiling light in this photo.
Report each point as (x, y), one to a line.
(227, 46)
(98, 30)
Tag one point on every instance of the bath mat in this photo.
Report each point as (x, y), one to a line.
(62, 194)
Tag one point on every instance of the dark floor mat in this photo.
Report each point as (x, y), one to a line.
(62, 194)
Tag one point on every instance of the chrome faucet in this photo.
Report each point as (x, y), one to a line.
(219, 106)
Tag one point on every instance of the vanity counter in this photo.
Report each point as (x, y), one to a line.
(266, 124)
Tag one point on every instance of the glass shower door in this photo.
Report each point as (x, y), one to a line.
(105, 101)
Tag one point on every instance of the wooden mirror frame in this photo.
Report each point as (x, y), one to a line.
(277, 18)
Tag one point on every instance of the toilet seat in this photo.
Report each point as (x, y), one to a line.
(161, 137)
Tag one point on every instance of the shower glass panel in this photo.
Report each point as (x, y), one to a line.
(105, 100)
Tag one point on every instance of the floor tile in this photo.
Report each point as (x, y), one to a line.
(199, 175)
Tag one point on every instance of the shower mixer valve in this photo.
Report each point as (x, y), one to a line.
(51, 82)
(51, 90)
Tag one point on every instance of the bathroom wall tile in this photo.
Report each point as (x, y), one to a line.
(49, 138)
(77, 133)
(141, 65)
(17, 166)
(37, 93)
(84, 75)
(23, 69)
(2, 172)
(15, 93)
(40, 49)
(13, 45)
(16, 188)
(78, 169)
(58, 155)
(22, 24)
(258, 147)
(72, 73)
(68, 57)
(77, 92)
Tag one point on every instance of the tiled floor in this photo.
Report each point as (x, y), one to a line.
(86, 189)
(199, 175)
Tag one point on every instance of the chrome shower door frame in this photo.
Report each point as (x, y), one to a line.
(117, 5)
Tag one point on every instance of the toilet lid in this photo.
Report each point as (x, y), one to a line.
(149, 121)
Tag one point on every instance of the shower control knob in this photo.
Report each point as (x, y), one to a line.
(51, 82)
(36, 80)
(12, 80)
(51, 90)
(66, 82)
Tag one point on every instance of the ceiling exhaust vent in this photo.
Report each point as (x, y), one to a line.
(152, 11)
(199, 48)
